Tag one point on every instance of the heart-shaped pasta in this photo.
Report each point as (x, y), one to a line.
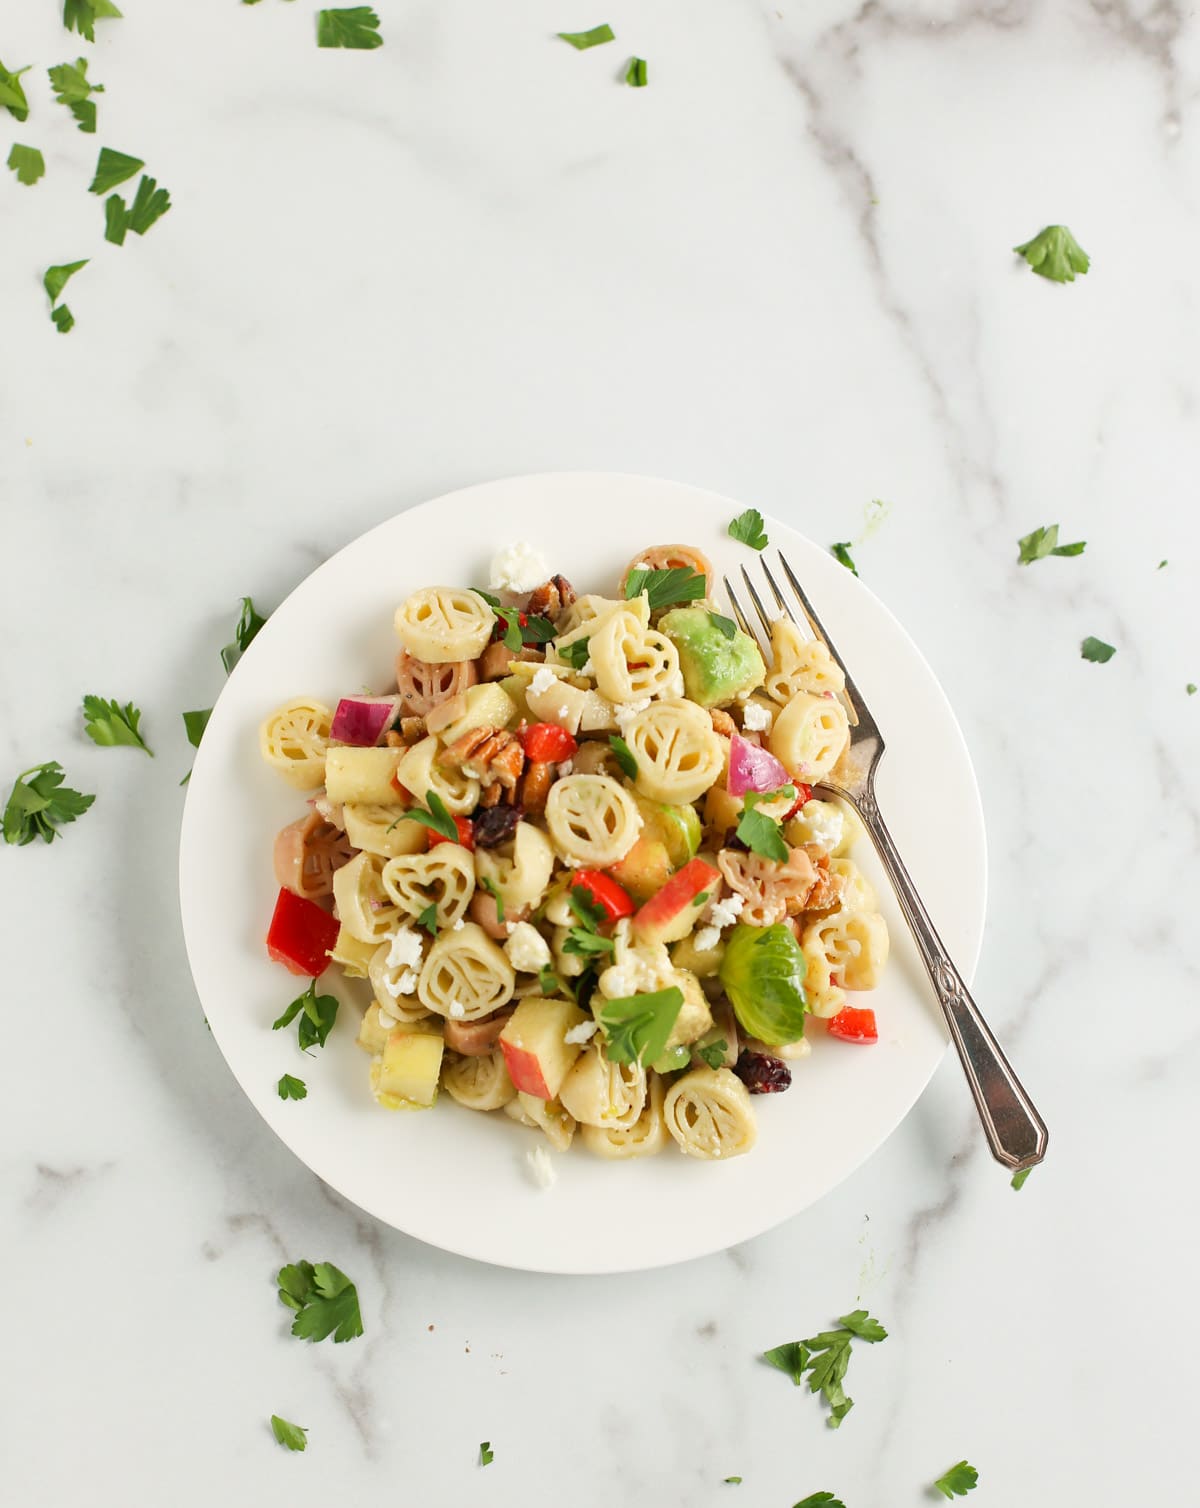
(770, 890)
(424, 686)
(810, 736)
(678, 755)
(444, 623)
(632, 662)
(600, 1093)
(856, 943)
(708, 1113)
(386, 980)
(293, 741)
(363, 906)
(478, 1083)
(465, 975)
(799, 664)
(420, 771)
(592, 820)
(444, 877)
(670, 558)
(644, 1138)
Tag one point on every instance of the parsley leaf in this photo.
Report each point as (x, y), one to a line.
(27, 163)
(1018, 1179)
(713, 1053)
(636, 1027)
(825, 1358)
(317, 1014)
(113, 168)
(109, 724)
(725, 626)
(1096, 650)
(194, 724)
(492, 601)
(750, 529)
(437, 819)
(12, 92)
(791, 1358)
(1190, 688)
(624, 755)
(1054, 253)
(82, 15)
(71, 88)
(958, 1481)
(699, 900)
(38, 807)
(761, 834)
(486, 1454)
(820, 1500)
(150, 203)
(535, 629)
(356, 27)
(325, 1301)
(289, 1088)
(579, 940)
(493, 890)
(662, 588)
(549, 982)
(582, 40)
(841, 553)
(57, 278)
(590, 912)
(585, 940)
(1043, 542)
(576, 654)
(1160, 565)
(732, 1479)
(244, 634)
(428, 919)
(860, 1323)
(63, 319)
(116, 220)
(635, 74)
(294, 1436)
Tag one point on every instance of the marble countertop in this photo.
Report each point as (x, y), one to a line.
(783, 271)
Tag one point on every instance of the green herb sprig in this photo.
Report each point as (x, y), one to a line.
(324, 1299)
(38, 806)
(825, 1358)
(317, 1014)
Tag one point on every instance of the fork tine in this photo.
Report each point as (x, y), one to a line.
(784, 605)
(758, 607)
(853, 697)
(743, 621)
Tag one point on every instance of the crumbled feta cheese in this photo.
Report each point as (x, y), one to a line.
(405, 951)
(725, 912)
(822, 823)
(620, 982)
(458, 925)
(457, 1009)
(588, 667)
(405, 984)
(541, 1167)
(625, 712)
(566, 767)
(526, 949)
(517, 568)
(543, 679)
(641, 565)
(755, 717)
(707, 939)
(584, 1032)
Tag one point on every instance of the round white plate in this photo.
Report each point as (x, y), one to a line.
(453, 1177)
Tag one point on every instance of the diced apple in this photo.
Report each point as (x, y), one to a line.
(644, 870)
(372, 1034)
(361, 775)
(409, 1069)
(670, 914)
(536, 1053)
(353, 954)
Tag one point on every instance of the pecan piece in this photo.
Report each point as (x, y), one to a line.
(492, 755)
(551, 598)
(539, 777)
(722, 722)
(828, 888)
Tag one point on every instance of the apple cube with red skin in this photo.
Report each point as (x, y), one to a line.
(671, 912)
(536, 1055)
(644, 869)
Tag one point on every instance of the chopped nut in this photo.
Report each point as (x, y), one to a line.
(412, 730)
(722, 722)
(539, 777)
(488, 754)
(551, 598)
(828, 888)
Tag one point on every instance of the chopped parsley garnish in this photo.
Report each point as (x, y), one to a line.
(55, 280)
(113, 168)
(1054, 253)
(579, 940)
(750, 528)
(493, 890)
(325, 1301)
(1043, 542)
(736, 1480)
(713, 1053)
(723, 625)
(244, 634)
(71, 88)
(662, 588)
(356, 27)
(437, 819)
(1018, 1179)
(636, 1027)
(958, 1481)
(486, 1454)
(841, 553)
(12, 92)
(150, 203)
(82, 15)
(761, 834)
(623, 754)
(1096, 650)
(820, 1500)
(63, 319)
(582, 40)
(116, 220)
(825, 1358)
(38, 807)
(109, 724)
(584, 939)
(576, 654)
(428, 918)
(27, 163)
(533, 630)
(294, 1436)
(590, 912)
(289, 1088)
(1160, 565)
(635, 74)
(550, 984)
(1190, 688)
(317, 1014)
(699, 900)
(194, 724)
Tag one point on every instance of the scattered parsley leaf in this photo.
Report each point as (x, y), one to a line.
(325, 1301)
(493, 890)
(356, 27)
(548, 982)
(71, 88)
(289, 1088)
(1043, 542)
(428, 919)
(194, 724)
(635, 74)
(38, 807)
(116, 220)
(535, 629)
(1054, 253)
(579, 940)
(150, 203)
(317, 1014)
(294, 1436)
(244, 634)
(1096, 650)
(791, 1358)
(636, 1027)
(662, 588)
(725, 626)
(820, 1500)
(57, 278)
(486, 1454)
(624, 755)
(1160, 565)
(63, 319)
(735, 1480)
(860, 1323)
(437, 819)
(1190, 688)
(750, 528)
(762, 834)
(590, 913)
(12, 92)
(576, 654)
(27, 163)
(958, 1481)
(113, 168)
(109, 724)
(82, 15)
(841, 553)
(825, 1358)
(1018, 1179)
(713, 1053)
(492, 601)
(582, 40)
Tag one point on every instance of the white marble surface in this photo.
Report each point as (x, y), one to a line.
(782, 271)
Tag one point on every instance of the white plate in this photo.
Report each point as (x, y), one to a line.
(454, 1177)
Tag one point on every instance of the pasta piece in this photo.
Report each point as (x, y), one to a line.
(810, 735)
(352, 954)
(444, 877)
(708, 1112)
(600, 1093)
(376, 828)
(465, 975)
(441, 624)
(420, 772)
(858, 894)
(306, 854)
(646, 1137)
(819, 822)
(423, 685)
(487, 705)
(519, 870)
(372, 1034)
(799, 664)
(824, 997)
(585, 614)
(547, 1115)
(566, 965)
(678, 755)
(362, 903)
(632, 662)
(856, 944)
(360, 776)
(592, 820)
(293, 741)
(478, 1083)
(770, 890)
(669, 558)
(388, 980)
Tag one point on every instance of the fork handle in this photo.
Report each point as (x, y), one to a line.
(1015, 1131)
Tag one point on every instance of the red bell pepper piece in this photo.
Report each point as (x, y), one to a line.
(803, 797)
(853, 1024)
(301, 935)
(466, 834)
(603, 891)
(547, 743)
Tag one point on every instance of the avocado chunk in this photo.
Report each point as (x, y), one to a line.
(715, 669)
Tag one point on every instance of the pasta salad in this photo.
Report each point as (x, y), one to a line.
(576, 857)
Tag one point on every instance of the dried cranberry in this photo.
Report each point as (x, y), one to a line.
(495, 825)
(763, 1075)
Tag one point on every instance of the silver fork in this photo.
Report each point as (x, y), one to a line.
(1015, 1131)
